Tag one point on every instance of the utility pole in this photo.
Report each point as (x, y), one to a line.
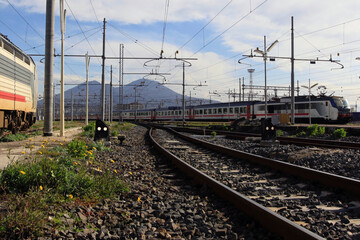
(121, 81)
(111, 97)
(103, 77)
(292, 73)
(54, 103)
(62, 28)
(87, 62)
(48, 72)
(72, 106)
(183, 96)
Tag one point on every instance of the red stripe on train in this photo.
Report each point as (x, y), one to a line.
(12, 97)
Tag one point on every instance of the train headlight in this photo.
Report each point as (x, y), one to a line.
(99, 129)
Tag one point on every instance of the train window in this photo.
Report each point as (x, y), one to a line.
(0, 43)
(201, 111)
(205, 111)
(196, 111)
(219, 110)
(8, 48)
(187, 112)
(19, 55)
(236, 110)
(215, 111)
(27, 60)
(244, 110)
(224, 110)
(172, 112)
(231, 110)
(326, 103)
(210, 111)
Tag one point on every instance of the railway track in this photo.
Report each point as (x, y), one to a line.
(283, 140)
(280, 202)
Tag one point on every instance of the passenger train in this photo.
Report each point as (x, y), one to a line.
(330, 109)
(18, 87)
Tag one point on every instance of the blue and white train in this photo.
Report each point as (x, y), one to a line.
(330, 109)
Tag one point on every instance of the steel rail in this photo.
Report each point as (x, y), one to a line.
(332, 180)
(283, 140)
(267, 218)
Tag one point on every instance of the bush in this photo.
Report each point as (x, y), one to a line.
(77, 148)
(89, 130)
(340, 133)
(14, 137)
(213, 133)
(315, 130)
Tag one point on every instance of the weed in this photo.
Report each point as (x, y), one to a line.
(14, 137)
(340, 133)
(213, 133)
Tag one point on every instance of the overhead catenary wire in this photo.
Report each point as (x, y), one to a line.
(201, 29)
(40, 35)
(167, 3)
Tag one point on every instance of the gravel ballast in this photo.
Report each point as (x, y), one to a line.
(161, 204)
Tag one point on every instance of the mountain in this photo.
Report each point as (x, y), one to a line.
(149, 94)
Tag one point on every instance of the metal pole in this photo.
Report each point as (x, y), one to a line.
(62, 28)
(135, 105)
(309, 103)
(103, 77)
(111, 97)
(54, 117)
(48, 72)
(292, 73)
(72, 106)
(240, 89)
(265, 90)
(183, 96)
(87, 62)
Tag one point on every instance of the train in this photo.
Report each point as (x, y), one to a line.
(18, 87)
(324, 109)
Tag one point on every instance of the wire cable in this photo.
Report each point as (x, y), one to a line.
(41, 36)
(164, 27)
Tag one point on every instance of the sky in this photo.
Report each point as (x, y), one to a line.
(215, 34)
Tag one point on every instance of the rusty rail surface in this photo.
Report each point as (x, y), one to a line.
(267, 218)
(332, 180)
(283, 140)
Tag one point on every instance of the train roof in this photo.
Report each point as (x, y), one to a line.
(5, 38)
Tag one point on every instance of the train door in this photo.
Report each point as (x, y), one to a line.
(153, 115)
(191, 114)
(248, 111)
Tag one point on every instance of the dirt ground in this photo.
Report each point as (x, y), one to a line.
(12, 151)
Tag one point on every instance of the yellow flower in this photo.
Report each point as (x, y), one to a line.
(115, 171)
(90, 153)
(98, 169)
(85, 154)
(50, 159)
(41, 188)
(53, 140)
(46, 141)
(75, 151)
(22, 172)
(61, 144)
(90, 162)
(75, 163)
(112, 161)
(138, 199)
(94, 148)
(42, 146)
(30, 139)
(130, 173)
(23, 152)
(40, 152)
(71, 196)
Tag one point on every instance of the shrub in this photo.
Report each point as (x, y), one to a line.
(14, 137)
(114, 133)
(315, 130)
(301, 134)
(340, 133)
(77, 148)
(213, 133)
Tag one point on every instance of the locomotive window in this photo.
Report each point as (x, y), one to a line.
(27, 60)
(19, 55)
(224, 110)
(231, 110)
(236, 110)
(8, 48)
(0, 43)
(219, 110)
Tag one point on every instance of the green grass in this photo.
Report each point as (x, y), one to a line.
(58, 176)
